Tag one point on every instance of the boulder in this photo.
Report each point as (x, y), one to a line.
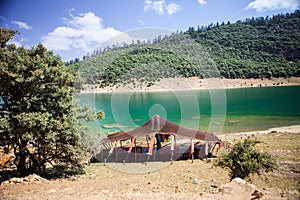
(33, 178)
(257, 194)
(238, 189)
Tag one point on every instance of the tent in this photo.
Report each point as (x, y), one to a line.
(153, 129)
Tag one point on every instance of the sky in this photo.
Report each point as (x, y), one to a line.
(74, 28)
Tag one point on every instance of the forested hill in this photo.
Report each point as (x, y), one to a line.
(253, 48)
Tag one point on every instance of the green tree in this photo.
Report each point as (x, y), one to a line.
(244, 160)
(37, 107)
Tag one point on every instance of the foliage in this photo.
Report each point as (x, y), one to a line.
(140, 59)
(89, 139)
(38, 114)
(244, 160)
(255, 48)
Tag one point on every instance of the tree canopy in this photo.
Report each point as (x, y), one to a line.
(254, 48)
(37, 111)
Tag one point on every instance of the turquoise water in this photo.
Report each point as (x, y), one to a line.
(221, 111)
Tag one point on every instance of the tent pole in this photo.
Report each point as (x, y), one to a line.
(134, 149)
(220, 149)
(111, 151)
(192, 150)
(131, 144)
(206, 150)
(130, 148)
(117, 154)
(151, 147)
(151, 144)
(147, 141)
(215, 148)
(172, 147)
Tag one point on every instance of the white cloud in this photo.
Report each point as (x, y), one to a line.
(141, 22)
(81, 33)
(264, 5)
(172, 8)
(161, 7)
(22, 25)
(158, 6)
(202, 2)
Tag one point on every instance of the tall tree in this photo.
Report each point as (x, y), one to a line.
(36, 106)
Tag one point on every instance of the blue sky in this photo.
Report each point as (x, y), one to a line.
(73, 28)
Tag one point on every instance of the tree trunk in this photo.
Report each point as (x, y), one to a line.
(20, 160)
(21, 167)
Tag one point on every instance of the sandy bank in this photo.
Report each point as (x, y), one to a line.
(193, 83)
(283, 129)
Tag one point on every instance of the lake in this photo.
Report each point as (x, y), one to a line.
(220, 111)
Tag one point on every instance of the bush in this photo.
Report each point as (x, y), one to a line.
(244, 160)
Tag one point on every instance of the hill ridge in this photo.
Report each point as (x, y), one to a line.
(253, 48)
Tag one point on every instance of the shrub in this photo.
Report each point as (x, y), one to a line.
(244, 160)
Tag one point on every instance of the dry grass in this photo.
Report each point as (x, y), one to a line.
(282, 141)
(285, 147)
(104, 182)
(181, 174)
(275, 181)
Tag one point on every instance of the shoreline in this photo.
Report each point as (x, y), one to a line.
(282, 129)
(193, 84)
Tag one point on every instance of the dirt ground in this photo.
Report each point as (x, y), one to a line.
(181, 180)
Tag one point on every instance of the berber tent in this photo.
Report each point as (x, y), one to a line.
(159, 125)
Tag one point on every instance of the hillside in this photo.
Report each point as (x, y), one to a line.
(253, 48)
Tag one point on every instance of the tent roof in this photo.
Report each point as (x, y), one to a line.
(160, 125)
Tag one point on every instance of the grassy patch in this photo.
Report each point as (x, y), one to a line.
(273, 181)
(282, 141)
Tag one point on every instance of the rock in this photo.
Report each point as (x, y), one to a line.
(107, 193)
(33, 178)
(66, 191)
(51, 191)
(282, 194)
(176, 189)
(15, 180)
(196, 181)
(238, 189)
(242, 182)
(72, 178)
(258, 194)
